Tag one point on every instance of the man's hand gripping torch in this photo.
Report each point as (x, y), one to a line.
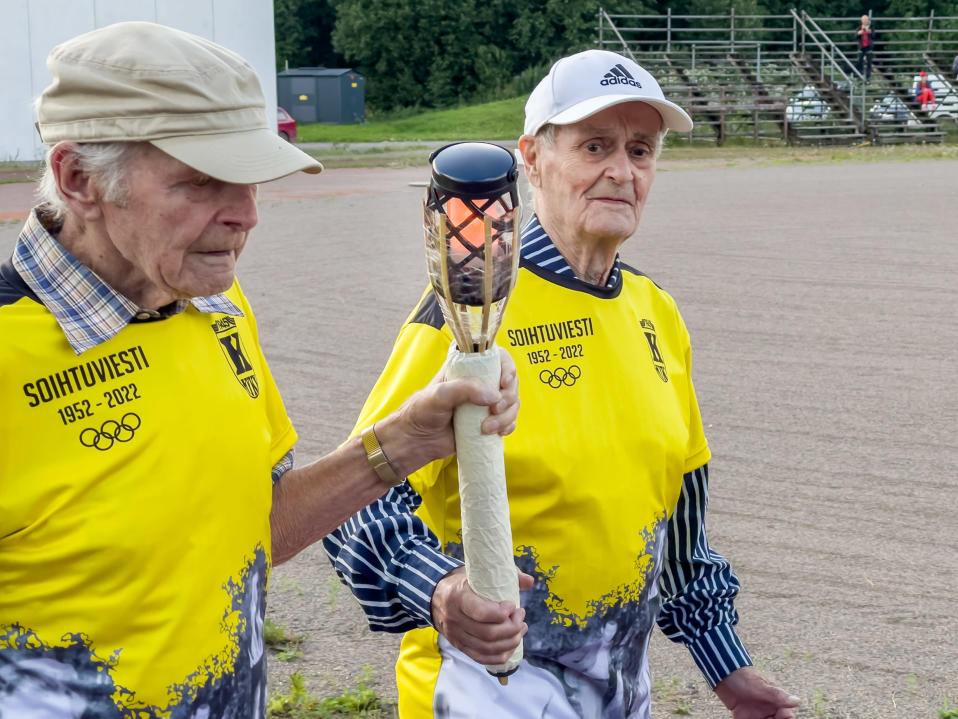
(471, 215)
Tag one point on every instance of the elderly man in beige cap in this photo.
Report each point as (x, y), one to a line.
(607, 473)
(141, 426)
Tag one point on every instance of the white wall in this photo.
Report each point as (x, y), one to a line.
(29, 29)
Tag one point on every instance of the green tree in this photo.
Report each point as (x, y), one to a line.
(288, 32)
(388, 41)
(433, 53)
(303, 31)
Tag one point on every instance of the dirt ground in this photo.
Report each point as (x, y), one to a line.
(823, 310)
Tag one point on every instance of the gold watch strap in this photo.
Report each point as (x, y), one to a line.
(378, 459)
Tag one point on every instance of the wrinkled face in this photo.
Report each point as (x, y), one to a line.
(592, 182)
(180, 232)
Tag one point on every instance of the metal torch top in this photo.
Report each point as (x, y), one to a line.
(474, 169)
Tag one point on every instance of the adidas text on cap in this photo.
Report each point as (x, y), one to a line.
(191, 98)
(581, 85)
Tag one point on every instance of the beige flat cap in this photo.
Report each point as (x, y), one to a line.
(188, 96)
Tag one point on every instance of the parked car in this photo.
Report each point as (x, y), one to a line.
(285, 124)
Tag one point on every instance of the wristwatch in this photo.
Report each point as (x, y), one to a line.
(378, 459)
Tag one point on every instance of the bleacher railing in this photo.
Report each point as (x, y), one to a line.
(898, 35)
(830, 56)
(784, 44)
(672, 32)
(781, 34)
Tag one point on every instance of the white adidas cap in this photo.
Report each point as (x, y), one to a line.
(581, 85)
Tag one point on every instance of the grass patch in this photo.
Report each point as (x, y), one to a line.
(409, 138)
(15, 166)
(818, 704)
(499, 120)
(418, 132)
(278, 638)
(334, 588)
(11, 172)
(289, 655)
(300, 704)
(742, 155)
(674, 157)
(946, 713)
(911, 683)
(291, 585)
(670, 693)
(285, 646)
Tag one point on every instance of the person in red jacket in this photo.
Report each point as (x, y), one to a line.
(924, 95)
(866, 43)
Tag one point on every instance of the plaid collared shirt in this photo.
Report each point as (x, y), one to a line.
(88, 310)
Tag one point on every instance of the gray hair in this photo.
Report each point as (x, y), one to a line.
(105, 162)
(547, 133)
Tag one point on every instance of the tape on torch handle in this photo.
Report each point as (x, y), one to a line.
(486, 531)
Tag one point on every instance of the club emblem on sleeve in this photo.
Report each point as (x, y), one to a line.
(649, 330)
(236, 355)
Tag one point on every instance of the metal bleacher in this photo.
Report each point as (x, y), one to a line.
(793, 78)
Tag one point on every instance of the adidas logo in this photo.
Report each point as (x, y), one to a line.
(618, 75)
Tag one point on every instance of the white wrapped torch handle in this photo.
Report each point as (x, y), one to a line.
(486, 532)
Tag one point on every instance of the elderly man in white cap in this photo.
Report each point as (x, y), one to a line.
(145, 454)
(607, 473)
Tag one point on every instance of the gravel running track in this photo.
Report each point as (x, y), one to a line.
(823, 310)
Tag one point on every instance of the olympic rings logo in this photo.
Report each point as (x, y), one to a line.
(561, 376)
(111, 431)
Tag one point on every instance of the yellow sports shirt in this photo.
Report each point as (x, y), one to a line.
(134, 516)
(608, 426)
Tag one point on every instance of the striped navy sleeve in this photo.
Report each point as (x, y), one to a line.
(699, 588)
(391, 561)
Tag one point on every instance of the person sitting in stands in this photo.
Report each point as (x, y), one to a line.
(924, 95)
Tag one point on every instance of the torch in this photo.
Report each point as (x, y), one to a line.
(471, 215)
